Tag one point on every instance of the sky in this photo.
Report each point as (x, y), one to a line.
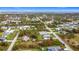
(40, 9)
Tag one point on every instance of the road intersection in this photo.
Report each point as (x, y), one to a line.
(66, 45)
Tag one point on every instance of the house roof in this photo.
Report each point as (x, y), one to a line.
(43, 32)
(54, 48)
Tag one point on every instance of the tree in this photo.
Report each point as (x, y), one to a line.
(47, 43)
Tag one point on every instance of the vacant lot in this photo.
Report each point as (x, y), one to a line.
(35, 45)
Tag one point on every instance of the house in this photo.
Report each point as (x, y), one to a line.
(3, 27)
(2, 39)
(25, 38)
(45, 35)
(34, 19)
(33, 39)
(55, 48)
(59, 29)
(14, 17)
(3, 22)
(23, 27)
(15, 21)
(7, 32)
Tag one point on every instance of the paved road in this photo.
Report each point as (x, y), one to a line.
(13, 42)
(67, 46)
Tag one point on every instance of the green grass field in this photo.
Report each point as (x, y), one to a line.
(11, 36)
(0, 34)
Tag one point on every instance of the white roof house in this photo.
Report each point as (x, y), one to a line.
(23, 27)
(4, 22)
(43, 33)
(54, 48)
(7, 32)
(34, 19)
(46, 37)
(25, 38)
(58, 28)
(3, 27)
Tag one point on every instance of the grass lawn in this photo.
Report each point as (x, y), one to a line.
(51, 35)
(1, 34)
(57, 42)
(39, 37)
(11, 36)
(57, 33)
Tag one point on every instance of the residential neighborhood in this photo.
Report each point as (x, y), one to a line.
(39, 32)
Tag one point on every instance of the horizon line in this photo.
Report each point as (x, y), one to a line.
(39, 9)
